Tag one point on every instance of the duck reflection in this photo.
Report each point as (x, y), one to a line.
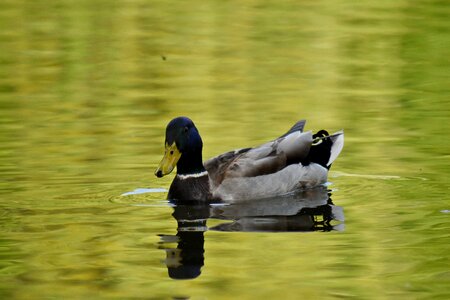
(310, 210)
(185, 261)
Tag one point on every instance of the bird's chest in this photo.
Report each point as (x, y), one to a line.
(189, 188)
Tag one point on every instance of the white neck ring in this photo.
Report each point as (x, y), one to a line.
(192, 175)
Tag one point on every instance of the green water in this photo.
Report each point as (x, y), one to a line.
(87, 88)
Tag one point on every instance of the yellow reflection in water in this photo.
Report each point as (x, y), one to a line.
(87, 88)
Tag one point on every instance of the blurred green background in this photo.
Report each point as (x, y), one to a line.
(87, 88)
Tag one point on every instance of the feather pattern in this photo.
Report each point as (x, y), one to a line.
(265, 159)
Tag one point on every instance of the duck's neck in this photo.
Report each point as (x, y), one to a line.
(190, 163)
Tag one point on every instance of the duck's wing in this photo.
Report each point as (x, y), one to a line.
(217, 166)
(268, 158)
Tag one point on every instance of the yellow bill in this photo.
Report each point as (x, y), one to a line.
(169, 161)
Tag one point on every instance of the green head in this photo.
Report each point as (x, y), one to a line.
(183, 148)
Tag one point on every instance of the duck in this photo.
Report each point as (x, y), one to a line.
(296, 160)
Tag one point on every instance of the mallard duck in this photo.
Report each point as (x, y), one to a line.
(296, 160)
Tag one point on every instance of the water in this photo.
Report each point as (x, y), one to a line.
(87, 88)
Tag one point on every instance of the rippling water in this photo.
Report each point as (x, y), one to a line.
(87, 88)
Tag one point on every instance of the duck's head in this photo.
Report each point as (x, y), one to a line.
(183, 147)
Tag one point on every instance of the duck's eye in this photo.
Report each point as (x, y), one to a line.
(186, 129)
(171, 152)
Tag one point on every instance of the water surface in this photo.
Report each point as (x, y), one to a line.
(87, 88)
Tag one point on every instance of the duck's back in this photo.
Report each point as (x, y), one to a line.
(265, 159)
(274, 168)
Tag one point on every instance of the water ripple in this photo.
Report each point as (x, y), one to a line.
(140, 196)
(144, 190)
(377, 176)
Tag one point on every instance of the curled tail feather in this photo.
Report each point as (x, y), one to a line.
(325, 149)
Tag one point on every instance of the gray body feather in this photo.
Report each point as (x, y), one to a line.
(267, 170)
(262, 171)
(288, 179)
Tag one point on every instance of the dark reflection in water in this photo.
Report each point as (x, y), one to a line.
(311, 210)
(186, 260)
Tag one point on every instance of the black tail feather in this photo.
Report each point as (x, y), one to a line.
(297, 127)
(320, 151)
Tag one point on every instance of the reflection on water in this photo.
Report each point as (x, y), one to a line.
(186, 260)
(309, 210)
